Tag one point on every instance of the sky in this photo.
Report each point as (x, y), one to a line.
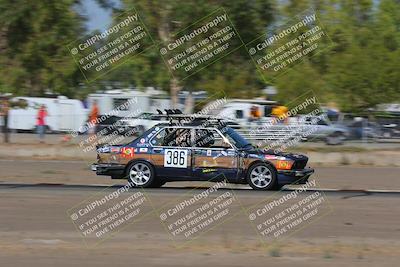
(98, 18)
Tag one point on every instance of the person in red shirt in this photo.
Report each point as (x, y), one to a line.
(41, 122)
(94, 113)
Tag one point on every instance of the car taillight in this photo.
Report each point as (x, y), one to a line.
(284, 164)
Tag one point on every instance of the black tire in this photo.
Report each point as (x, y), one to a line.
(141, 174)
(267, 180)
(337, 138)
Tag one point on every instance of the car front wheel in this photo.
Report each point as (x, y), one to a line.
(261, 176)
(141, 174)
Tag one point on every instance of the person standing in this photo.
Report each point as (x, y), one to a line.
(5, 107)
(255, 113)
(94, 113)
(41, 122)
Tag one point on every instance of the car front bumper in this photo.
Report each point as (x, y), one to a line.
(110, 169)
(294, 176)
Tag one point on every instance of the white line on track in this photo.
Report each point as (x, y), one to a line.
(240, 187)
(41, 161)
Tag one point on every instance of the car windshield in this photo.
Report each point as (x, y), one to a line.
(235, 138)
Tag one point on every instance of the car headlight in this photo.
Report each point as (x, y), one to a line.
(284, 164)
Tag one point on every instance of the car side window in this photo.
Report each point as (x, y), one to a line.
(172, 137)
(205, 138)
(158, 139)
(239, 114)
(178, 137)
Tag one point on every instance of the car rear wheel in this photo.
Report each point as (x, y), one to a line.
(261, 176)
(141, 174)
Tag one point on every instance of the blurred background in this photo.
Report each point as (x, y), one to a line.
(353, 141)
(356, 80)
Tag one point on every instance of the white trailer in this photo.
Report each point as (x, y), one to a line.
(64, 114)
(114, 102)
(239, 109)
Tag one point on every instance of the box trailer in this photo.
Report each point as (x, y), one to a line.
(64, 114)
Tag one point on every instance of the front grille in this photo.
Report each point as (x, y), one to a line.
(300, 164)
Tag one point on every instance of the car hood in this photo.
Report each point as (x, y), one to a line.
(272, 154)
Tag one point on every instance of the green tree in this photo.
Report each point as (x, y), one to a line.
(235, 74)
(34, 56)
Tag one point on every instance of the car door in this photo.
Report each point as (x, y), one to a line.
(171, 153)
(316, 128)
(213, 155)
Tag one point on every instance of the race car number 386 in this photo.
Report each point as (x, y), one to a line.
(176, 158)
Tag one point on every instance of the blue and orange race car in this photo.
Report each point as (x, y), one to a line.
(199, 149)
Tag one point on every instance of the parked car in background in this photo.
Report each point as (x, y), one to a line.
(390, 125)
(390, 130)
(144, 121)
(361, 128)
(305, 128)
(111, 125)
(323, 129)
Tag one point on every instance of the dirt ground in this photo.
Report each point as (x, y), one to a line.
(359, 230)
(352, 228)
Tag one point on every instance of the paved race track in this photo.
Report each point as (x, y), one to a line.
(39, 199)
(353, 229)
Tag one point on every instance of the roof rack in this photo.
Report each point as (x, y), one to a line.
(170, 111)
(175, 116)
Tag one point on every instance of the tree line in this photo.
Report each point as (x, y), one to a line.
(361, 68)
